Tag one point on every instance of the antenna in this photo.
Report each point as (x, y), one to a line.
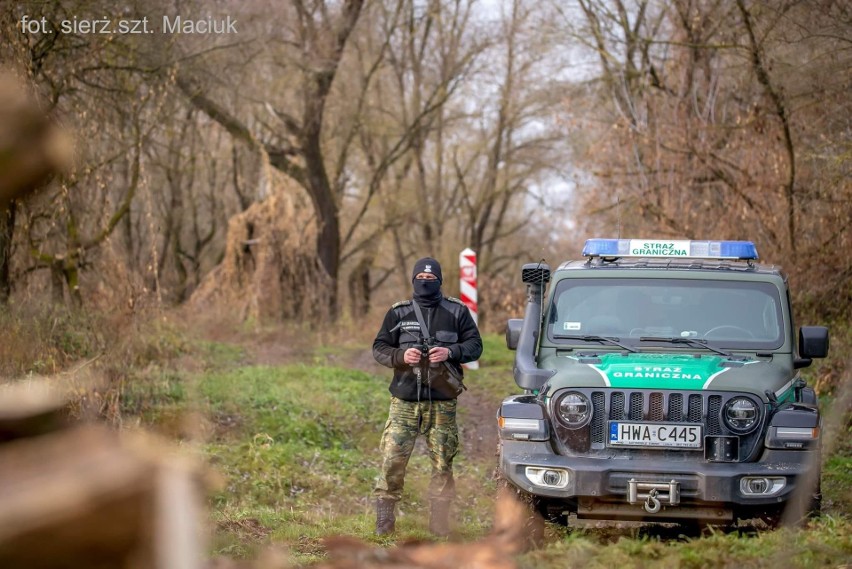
(618, 212)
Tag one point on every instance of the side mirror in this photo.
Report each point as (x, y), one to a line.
(513, 332)
(813, 343)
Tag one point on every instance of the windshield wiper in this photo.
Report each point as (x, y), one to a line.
(696, 342)
(602, 339)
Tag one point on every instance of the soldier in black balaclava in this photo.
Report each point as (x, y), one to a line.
(423, 390)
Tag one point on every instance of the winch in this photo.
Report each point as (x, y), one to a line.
(654, 494)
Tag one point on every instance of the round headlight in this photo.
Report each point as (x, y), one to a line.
(574, 409)
(741, 414)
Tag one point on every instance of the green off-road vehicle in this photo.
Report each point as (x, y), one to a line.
(661, 383)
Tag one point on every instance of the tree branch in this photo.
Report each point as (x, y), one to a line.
(780, 110)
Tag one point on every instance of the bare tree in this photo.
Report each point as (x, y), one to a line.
(702, 121)
(518, 146)
(319, 39)
(426, 55)
(94, 84)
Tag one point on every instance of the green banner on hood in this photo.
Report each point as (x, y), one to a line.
(659, 371)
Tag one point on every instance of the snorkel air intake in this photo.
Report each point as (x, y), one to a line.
(527, 375)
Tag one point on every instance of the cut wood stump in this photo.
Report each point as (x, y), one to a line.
(86, 496)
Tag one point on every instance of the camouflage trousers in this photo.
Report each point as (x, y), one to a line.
(436, 420)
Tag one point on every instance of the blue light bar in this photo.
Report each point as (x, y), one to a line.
(683, 249)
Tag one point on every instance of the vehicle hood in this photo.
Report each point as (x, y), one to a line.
(682, 372)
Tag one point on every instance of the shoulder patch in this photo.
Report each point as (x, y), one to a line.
(401, 303)
(457, 301)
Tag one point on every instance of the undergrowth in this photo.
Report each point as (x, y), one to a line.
(48, 339)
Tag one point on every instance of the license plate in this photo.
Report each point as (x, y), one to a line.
(665, 435)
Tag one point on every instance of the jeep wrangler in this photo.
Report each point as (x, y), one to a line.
(660, 383)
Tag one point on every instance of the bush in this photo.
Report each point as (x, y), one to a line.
(47, 340)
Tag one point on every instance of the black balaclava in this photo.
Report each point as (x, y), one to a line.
(427, 293)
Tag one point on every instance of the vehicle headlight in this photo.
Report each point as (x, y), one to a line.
(741, 414)
(548, 477)
(574, 409)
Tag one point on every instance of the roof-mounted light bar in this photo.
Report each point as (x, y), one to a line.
(683, 249)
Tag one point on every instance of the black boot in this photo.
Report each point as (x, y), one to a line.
(439, 520)
(385, 518)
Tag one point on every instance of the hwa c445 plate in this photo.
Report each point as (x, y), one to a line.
(660, 435)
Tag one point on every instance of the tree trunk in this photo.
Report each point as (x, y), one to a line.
(359, 288)
(57, 283)
(7, 229)
(322, 196)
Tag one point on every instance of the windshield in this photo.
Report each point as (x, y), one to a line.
(745, 315)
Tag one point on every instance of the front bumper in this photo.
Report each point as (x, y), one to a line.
(699, 482)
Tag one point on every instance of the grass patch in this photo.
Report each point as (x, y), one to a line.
(837, 476)
(220, 355)
(495, 354)
(300, 456)
(826, 542)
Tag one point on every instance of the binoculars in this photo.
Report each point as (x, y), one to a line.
(424, 346)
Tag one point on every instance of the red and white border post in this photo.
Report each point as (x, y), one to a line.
(467, 288)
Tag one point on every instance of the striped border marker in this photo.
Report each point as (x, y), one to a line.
(467, 288)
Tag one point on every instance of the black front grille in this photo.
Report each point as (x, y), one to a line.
(696, 409)
(616, 409)
(655, 407)
(662, 406)
(714, 404)
(676, 407)
(598, 419)
(647, 405)
(636, 401)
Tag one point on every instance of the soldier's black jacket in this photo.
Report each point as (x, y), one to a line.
(452, 326)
